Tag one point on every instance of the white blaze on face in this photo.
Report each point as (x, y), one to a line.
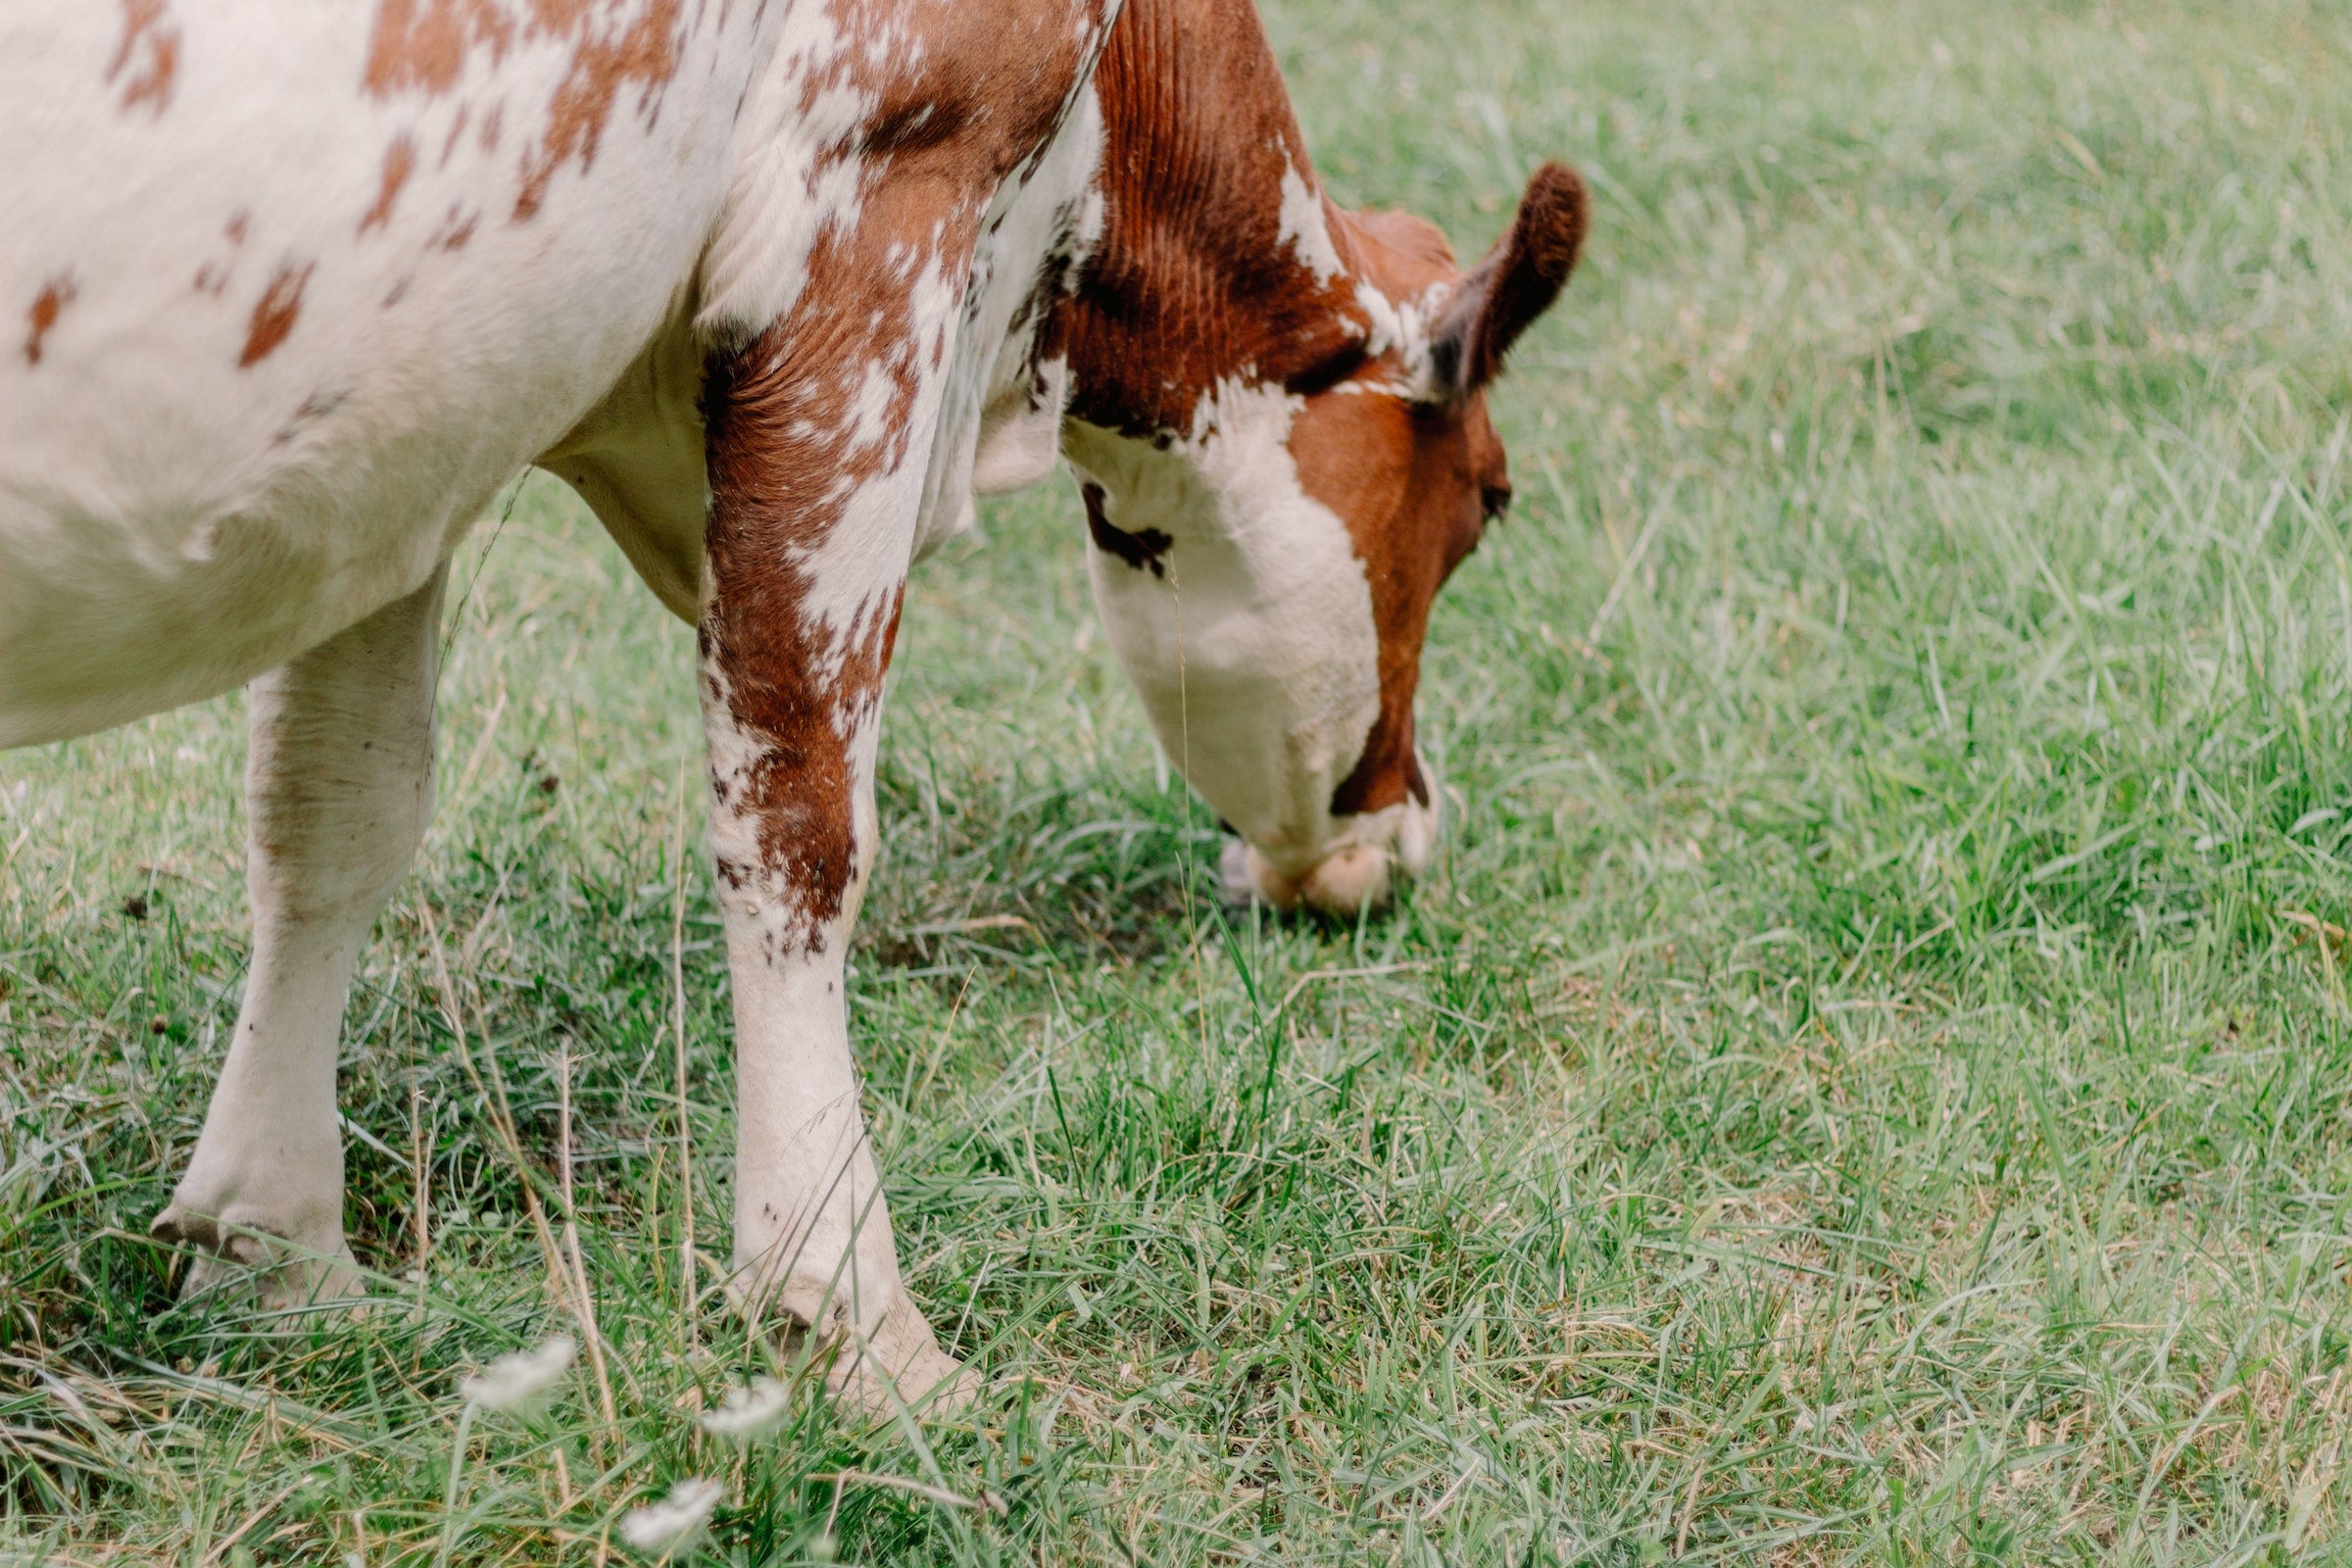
(1255, 653)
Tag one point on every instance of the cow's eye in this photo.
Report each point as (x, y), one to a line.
(1498, 500)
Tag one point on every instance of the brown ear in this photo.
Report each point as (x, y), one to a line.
(1520, 277)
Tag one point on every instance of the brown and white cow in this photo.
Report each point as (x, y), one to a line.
(774, 284)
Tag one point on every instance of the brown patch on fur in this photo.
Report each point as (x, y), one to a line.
(49, 304)
(787, 454)
(1192, 282)
(152, 40)
(274, 313)
(643, 54)
(400, 161)
(421, 45)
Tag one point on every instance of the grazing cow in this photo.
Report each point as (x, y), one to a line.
(775, 285)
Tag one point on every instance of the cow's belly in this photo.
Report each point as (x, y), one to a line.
(283, 307)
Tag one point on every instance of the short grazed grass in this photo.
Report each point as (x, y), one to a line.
(1869, 1080)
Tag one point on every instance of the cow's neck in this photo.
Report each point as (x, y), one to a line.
(1235, 600)
(1218, 264)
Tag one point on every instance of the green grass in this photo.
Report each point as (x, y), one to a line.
(1867, 1081)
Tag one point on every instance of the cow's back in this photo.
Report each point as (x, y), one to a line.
(288, 291)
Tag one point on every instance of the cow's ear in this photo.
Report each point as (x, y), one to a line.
(1520, 277)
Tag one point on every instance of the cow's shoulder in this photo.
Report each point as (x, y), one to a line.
(905, 115)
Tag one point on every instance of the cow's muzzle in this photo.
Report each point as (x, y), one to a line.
(1358, 870)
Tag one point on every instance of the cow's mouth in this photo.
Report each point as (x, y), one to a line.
(1357, 871)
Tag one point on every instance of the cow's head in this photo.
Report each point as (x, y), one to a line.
(1271, 529)
(1276, 412)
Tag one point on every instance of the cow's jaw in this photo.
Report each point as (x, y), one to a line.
(1237, 605)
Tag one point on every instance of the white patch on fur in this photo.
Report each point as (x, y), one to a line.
(1256, 655)
(1002, 433)
(1306, 228)
(1401, 330)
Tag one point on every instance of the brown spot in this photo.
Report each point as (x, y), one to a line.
(456, 130)
(149, 52)
(1138, 550)
(644, 54)
(51, 302)
(274, 313)
(421, 45)
(457, 228)
(213, 277)
(400, 160)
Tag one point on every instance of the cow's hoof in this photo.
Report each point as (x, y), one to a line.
(900, 1365)
(238, 1257)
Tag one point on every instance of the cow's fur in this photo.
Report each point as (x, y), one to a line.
(775, 285)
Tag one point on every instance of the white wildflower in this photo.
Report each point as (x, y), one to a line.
(520, 1381)
(666, 1526)
(747, 1413)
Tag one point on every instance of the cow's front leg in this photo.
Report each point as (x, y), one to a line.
(808, 540)
(338, 785)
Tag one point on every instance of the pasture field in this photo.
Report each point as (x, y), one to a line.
(1869, 1080)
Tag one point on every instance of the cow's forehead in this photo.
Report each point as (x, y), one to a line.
(1405, 251)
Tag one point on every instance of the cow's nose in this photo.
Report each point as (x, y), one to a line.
(1358, 872)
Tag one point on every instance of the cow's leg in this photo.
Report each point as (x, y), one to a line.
(794, 829)
(814, 498)
(338, 784)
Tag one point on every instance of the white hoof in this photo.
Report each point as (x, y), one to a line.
(900, 1364)
(236, 1255)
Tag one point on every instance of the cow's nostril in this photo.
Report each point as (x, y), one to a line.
(1348, 882)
